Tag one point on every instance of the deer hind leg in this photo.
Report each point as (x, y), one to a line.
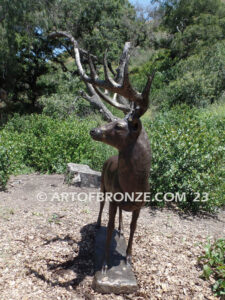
(102, 203)
(120, 228)
(110, 228)
(133, 224)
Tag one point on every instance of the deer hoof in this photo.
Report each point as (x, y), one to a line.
(104, 268)
(128, 260)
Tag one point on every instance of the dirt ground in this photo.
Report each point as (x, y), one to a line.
(47, 239)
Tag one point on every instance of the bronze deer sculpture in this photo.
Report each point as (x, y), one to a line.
(128, 172)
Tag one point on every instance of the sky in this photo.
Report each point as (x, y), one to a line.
(141, 2)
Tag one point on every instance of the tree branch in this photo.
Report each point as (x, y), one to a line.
(58, 61)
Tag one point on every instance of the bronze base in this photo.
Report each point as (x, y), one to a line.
(119, 278)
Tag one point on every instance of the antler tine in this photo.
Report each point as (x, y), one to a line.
(106, 69)
(121, 85)
(148, 85)
(140, 108)
(143, 106)
(126, 80)
(111, 101)
(123, 59)
(94, 75)
(108, 78)
(111, 69)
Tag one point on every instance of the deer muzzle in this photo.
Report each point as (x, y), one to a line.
(97, 134)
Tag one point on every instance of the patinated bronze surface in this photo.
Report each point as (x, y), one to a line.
(119, 279)
(127, 172)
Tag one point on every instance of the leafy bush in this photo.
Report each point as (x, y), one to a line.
(188, 153)
(161, 62)
(213, 262)
(44, 144)
(4, 167)
(187, 146)
(199, 79)
(67, 100)
(60, 106)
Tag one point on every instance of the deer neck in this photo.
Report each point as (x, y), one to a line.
(134, 164)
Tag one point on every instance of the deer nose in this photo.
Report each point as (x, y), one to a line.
(96, 132)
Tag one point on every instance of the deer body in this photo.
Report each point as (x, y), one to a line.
(129, 171)
(126, 173)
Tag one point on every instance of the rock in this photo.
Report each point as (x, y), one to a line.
(82, 176)
(119, 278)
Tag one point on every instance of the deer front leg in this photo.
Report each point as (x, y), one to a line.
(120, 228)
(110, 228)
(135, 215)
(102, 203)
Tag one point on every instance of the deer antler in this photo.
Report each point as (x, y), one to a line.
(120, 85)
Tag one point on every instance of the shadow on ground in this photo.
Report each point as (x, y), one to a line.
(82, 265)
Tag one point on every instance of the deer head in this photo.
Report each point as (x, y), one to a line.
(119, 133)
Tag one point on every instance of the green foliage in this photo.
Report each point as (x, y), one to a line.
(97, 25)
(26, 52)
(213, 262)
(44, 144)
(187, 148)
(4, 167)
(188, 157)
(189, 56)
(179, 15)
(23, 51)
(67, 101)
(60, 106)
(197, 80)
(159, 61)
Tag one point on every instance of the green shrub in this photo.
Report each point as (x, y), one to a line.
(40, 143)
(63, 105)
(213, 262)
(199, 79)
(187, 148)
(4, 167)
(188, 157)
(196, 80)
